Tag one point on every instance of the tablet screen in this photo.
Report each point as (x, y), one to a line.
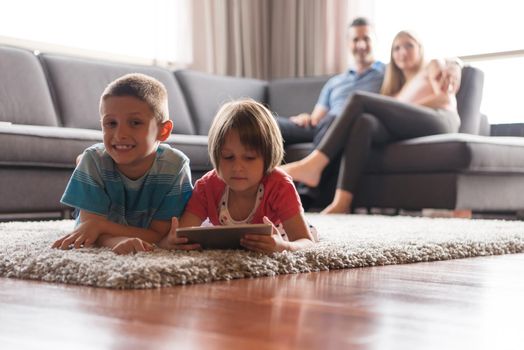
(222, 237)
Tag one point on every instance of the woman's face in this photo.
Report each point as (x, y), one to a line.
(406, 54)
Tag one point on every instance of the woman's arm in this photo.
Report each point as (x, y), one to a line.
(444, 79)
(440, 100)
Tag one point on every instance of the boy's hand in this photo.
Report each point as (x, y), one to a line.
(84, 235)
(171, 241)
(132, 245)
(263, 243)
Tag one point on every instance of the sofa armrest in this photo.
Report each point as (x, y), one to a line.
(484, 127)
(513, 129)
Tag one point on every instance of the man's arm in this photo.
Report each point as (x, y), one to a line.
(312, 119)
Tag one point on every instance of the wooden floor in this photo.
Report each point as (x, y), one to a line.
(475, 303)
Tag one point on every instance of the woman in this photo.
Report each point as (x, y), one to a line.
(418, 100)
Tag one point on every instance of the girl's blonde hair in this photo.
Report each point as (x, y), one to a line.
(256, 127)
(394, 79)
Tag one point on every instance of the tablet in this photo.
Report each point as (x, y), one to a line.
(222, 237)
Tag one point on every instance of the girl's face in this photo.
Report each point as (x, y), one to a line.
(241, 169)
(406, 54)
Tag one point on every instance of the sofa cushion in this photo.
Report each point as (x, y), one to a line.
(195, 147)
(57, 147)
(78, 83)
(205, 94)
(440, 153)
(291, 96)
(451, 153)
(24, 94)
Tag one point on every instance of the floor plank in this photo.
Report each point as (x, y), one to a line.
(472, 303)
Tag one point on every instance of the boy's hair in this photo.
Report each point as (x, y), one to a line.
(256, 128)
(143, 87)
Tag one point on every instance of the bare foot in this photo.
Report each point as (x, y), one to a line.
(335, 208)
(341, 203)
(302, 171)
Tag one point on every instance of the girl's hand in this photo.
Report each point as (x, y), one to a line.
(172, 242)
(132, 245)
(263, 243)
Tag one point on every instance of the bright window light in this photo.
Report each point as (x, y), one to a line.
(155, 29)
(462, 28)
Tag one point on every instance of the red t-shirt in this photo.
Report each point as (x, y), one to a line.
(279, 203)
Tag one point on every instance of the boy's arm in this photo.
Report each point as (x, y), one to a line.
(93, 225)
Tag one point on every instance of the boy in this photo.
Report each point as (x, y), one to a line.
(128, 188)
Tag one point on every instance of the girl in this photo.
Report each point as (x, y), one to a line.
(419, 100)
(245, 147)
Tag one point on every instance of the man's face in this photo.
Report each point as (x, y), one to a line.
(361, 44)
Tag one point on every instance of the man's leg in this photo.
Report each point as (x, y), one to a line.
(293, 133)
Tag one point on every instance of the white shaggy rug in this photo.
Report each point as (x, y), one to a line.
(346, 241)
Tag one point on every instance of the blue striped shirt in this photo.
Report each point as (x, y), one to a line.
(97, 186)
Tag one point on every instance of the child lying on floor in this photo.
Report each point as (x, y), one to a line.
(246, 187)
(128, 188)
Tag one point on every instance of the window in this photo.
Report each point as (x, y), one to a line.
(468, 29)
(154, 31)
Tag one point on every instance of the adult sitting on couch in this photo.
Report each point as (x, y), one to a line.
(366, 75)
(419, 100)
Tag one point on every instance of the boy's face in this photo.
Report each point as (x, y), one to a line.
(131, 134)
(241, 169)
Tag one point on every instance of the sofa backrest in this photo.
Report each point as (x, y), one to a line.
(24, 94)
(292, 96)
(469, 98)
(78, 83)
(205, 93)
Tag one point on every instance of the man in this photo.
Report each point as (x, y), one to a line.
(366, 75)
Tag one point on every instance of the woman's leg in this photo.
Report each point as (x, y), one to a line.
(309, 170)
(390, 120)
(402, 120)
(366, 131)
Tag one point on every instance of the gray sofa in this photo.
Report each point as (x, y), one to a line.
(49, 114)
